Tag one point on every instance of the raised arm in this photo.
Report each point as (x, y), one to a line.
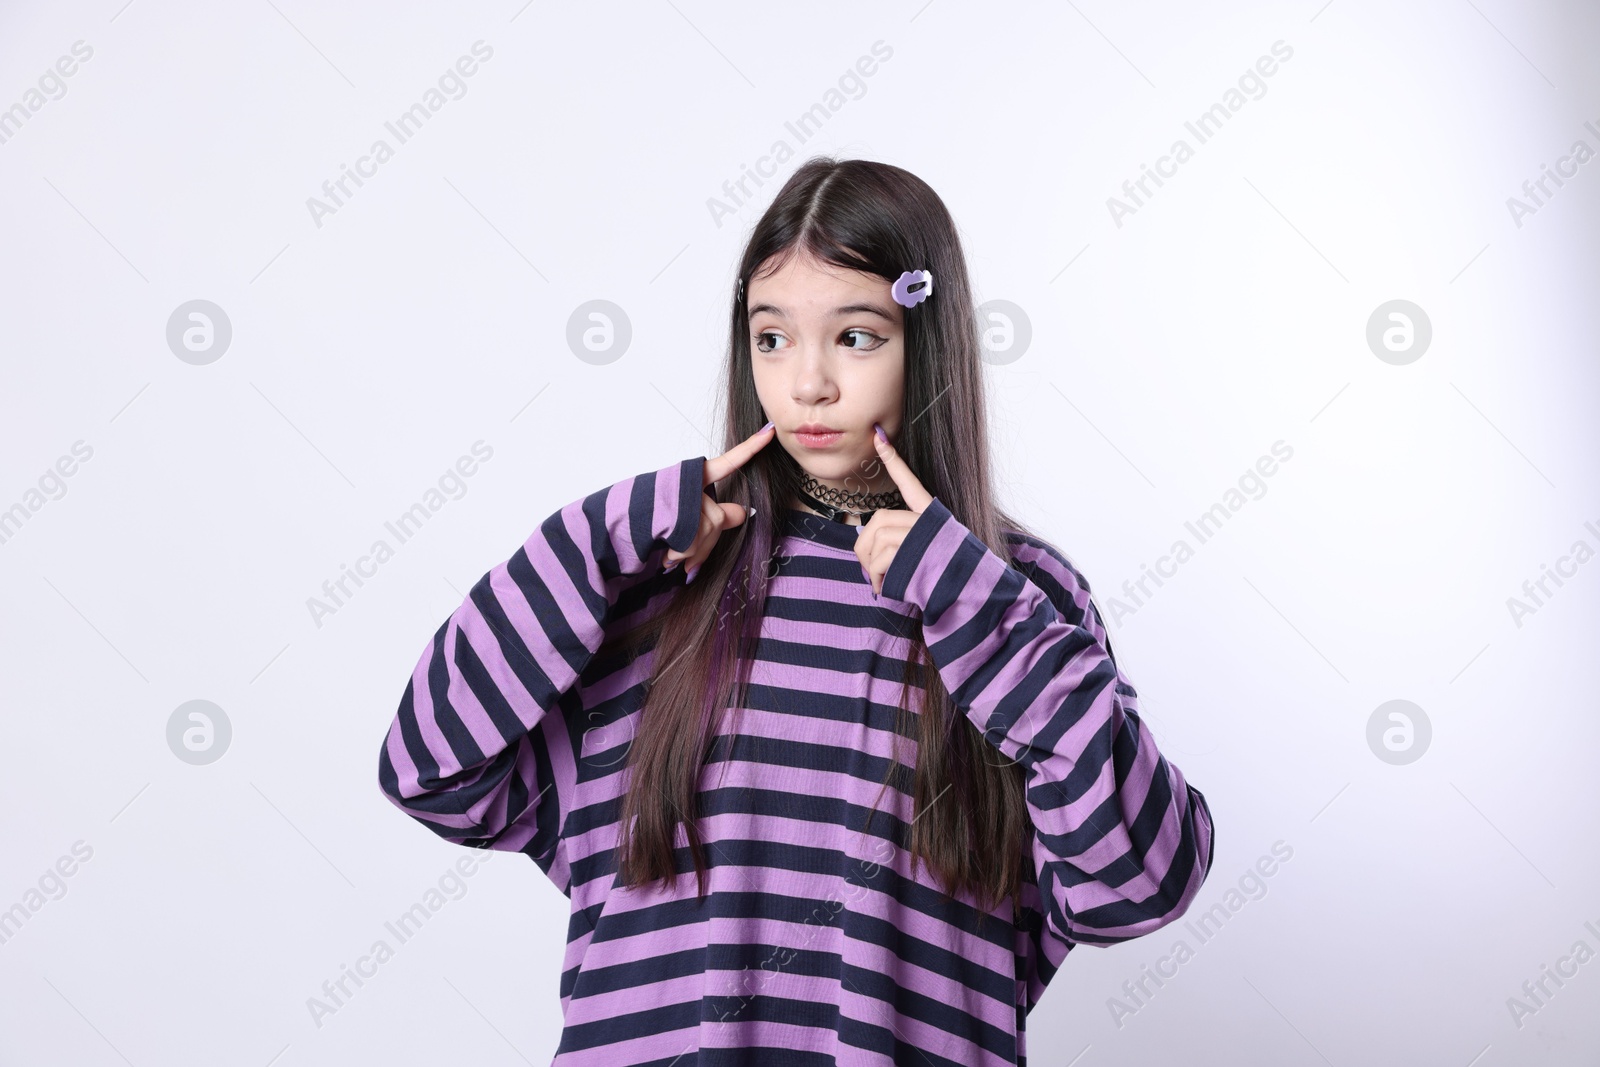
(1123, 842)
(479, 751)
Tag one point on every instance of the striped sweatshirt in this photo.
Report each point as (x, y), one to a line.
(814, 944)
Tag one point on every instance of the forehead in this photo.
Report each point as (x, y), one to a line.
(805, 286)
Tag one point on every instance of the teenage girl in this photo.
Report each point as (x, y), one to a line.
(829, 753)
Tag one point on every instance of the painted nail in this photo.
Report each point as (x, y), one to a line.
(765, 428)
(671, 565)
(881, 435)
(689, 575)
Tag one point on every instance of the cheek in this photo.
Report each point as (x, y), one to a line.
(768, 388)
(884, 382)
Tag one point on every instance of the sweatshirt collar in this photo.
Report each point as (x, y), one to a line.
(798, 523)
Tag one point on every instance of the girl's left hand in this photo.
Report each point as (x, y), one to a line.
(886, 530)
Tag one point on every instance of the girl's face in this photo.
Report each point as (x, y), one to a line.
(827, 349)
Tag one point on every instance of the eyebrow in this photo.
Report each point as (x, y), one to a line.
(848, 309)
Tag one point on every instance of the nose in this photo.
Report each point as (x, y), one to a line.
(813, 376)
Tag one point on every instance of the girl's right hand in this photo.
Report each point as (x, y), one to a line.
(715, 517)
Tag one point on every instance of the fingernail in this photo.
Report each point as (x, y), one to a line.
(881, 435)
(689, 575)
(671, 565)
(749, 511)
(765, 428)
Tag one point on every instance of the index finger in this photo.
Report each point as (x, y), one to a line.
(911, 488)
(719, 467)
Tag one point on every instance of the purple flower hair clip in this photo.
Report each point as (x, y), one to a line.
(903, 293)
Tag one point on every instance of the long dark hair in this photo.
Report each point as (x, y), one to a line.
(882, 220)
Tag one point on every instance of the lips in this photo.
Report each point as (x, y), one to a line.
(815, 435)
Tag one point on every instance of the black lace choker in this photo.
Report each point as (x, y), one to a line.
(840, 513)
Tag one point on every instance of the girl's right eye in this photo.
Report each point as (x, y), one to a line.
(760, 347)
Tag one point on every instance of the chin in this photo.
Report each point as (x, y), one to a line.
(835, 469)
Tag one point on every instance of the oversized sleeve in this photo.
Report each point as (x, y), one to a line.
(479, 751)
(1122, 842)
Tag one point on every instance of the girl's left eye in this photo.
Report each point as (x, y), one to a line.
(870, 336)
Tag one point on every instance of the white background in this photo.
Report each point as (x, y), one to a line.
(1168, 354)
